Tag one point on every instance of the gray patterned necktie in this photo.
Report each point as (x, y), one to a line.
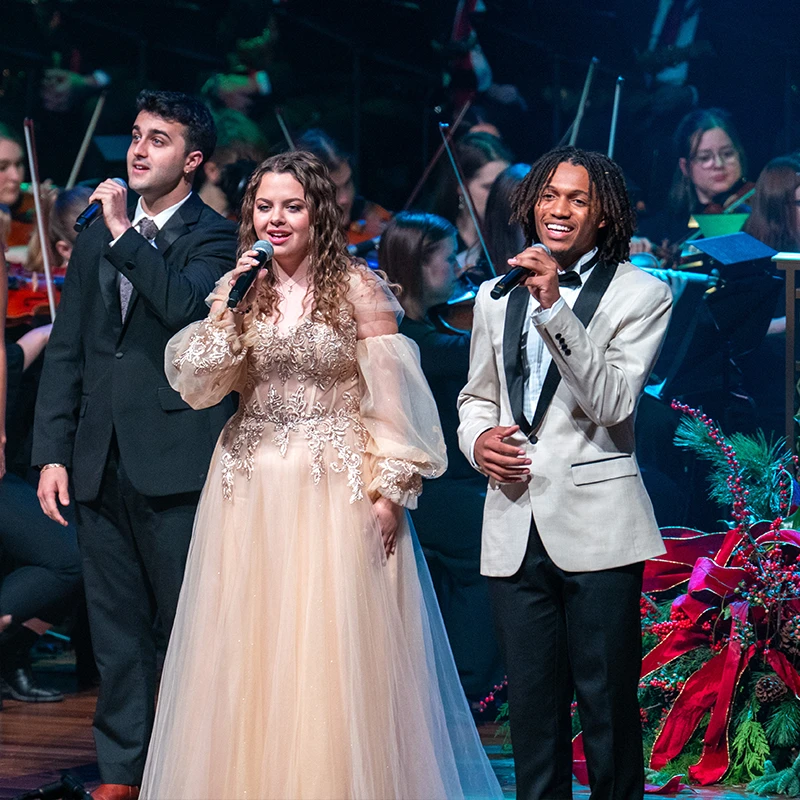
(149, 230)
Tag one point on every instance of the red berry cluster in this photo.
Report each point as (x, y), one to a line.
(669, 684)
(677, 621)
(491, 696)
(734, 479)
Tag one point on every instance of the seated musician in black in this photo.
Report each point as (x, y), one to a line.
(418, 251)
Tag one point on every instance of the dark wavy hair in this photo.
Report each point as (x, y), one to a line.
(606, 187)
(406, 244)
(193, 114)
(774, 216)
(329, 263)
(685, 141)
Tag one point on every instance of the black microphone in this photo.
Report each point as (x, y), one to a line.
(93, 210)
(243, 283)
(513, 277)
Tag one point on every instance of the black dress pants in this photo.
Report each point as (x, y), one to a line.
(563, 633)
(134, 552)
(47, 568)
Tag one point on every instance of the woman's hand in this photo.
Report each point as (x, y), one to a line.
(245, 263)
(389, 515)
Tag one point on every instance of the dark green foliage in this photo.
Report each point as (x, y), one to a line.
(785, 781)
(783, 726)
(762, 463)
(749, 752)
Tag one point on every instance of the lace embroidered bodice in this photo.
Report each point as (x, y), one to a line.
(361, 406)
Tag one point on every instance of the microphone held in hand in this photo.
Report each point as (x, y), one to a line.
(93, 210)
(513, 277)
(264, 251)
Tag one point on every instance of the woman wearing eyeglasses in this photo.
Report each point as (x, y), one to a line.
(709, 176)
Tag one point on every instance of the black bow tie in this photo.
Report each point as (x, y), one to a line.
(570, 278)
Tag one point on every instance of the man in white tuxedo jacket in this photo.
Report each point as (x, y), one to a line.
(556, 370)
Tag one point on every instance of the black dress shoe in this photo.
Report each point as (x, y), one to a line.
(16, 676)
(20, 684)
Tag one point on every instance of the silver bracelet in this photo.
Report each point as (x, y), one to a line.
(51, 466)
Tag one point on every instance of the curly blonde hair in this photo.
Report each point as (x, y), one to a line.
(329, 264)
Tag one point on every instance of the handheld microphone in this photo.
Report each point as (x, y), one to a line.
(513, 277)
(243, 283)
(93, 211)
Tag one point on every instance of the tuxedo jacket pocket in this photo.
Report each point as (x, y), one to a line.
(605, 469)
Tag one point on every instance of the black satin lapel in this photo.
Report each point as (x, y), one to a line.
(585, 306)
(512, 354)
(173, 230)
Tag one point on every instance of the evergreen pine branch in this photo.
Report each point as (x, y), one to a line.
(783, 726)
(785, 781)
(762, 463)
(749, 752)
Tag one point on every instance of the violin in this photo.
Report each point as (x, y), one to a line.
(370, 222)
(735, 201)
(455, 317)
(23, 219)
(27, 295)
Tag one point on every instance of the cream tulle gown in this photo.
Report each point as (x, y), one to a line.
(303, 663)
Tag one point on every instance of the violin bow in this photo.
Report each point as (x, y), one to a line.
(284, 130)
(437, 155)
(574, 128)
(87, 138)
(612, 136)
(33, 166)
(467, 197)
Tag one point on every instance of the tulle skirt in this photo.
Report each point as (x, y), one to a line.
(302, 663)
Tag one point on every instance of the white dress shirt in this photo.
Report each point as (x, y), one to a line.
(538, 355)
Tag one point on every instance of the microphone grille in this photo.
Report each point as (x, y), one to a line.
(120, 181)
(265, 247)
(543, 246)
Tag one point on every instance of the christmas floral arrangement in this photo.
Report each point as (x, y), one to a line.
(720, 687)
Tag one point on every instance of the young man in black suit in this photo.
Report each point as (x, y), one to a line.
(107, 419)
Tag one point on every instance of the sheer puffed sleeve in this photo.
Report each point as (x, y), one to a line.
(206, 360)
(397, 407)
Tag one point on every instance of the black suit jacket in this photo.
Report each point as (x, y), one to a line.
(101, 376)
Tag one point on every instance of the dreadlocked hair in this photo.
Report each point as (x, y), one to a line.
(607, 192)
(328, 260)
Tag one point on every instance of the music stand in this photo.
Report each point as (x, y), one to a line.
(711, 329)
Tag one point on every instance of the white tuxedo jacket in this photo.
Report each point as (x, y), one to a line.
(585, 490)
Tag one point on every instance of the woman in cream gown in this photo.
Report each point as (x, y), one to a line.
(308, 657)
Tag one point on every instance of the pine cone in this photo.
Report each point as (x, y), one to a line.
(770, 688)
(790, 637)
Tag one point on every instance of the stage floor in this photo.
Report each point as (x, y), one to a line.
(39, 741)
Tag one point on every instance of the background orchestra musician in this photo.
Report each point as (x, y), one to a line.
(418, 252)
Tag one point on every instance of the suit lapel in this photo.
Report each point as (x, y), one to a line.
(585, 306)
(512, 353)
(177, 226)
